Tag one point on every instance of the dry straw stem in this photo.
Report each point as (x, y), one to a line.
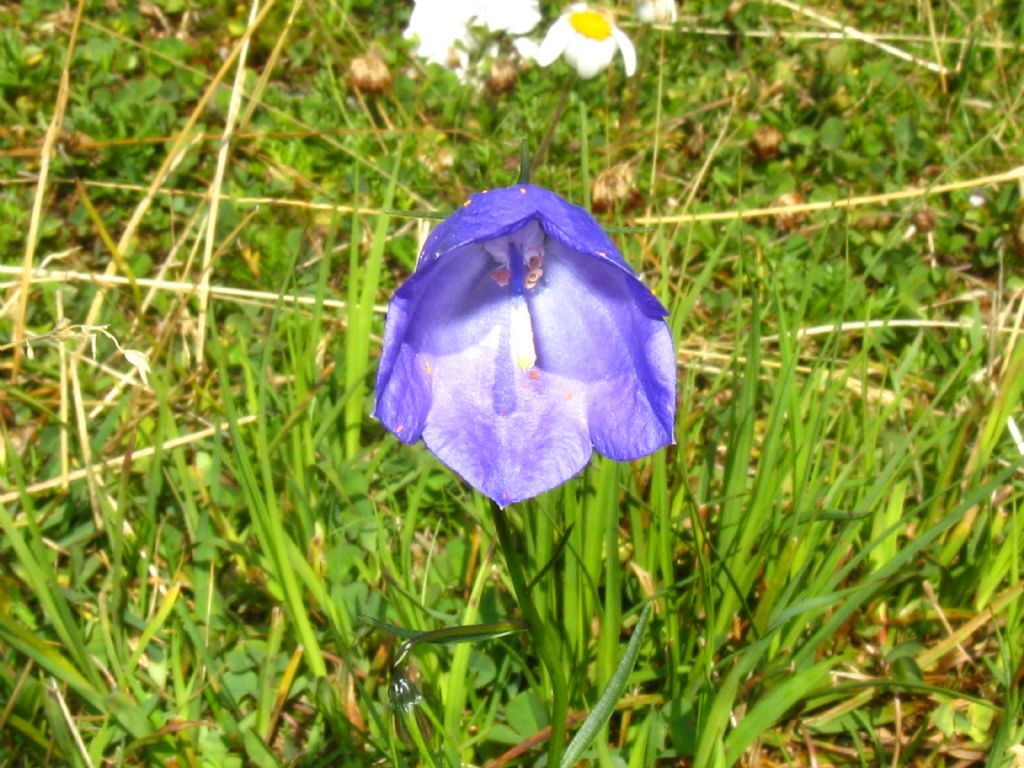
(124, 460)
(195, 222)
(910, 193)
(987, 618)
(176, 153)
(52, 132)
(1018, 326)
(797, 35)
(172, 159)
(70, 722)
(936, 50)
(62, 357)
(268, 69)
(93, 481)
(265, 298)
(723, 134)
(655, 144)
(281, 202)
(864, 37)
(697, 359)
(218, 180)
(866, 325)
(304, 128)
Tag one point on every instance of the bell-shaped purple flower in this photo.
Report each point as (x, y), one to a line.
(522, 342)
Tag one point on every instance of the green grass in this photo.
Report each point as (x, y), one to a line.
(213, 570)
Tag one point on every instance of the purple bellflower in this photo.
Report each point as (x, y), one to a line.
(522, 342)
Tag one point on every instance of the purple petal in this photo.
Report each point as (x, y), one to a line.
(498, 212)
(506, 431)
(455, 369)
(589, 330)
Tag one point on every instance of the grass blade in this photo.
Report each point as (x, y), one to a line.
(602, 712)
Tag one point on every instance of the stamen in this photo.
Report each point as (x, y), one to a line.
(534, 257)
(501, 276)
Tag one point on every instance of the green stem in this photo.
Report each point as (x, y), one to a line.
(544, 637)
(524, 163)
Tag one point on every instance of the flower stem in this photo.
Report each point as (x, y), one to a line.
(524, 163)
(544, 637)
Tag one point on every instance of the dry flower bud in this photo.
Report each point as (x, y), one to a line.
(788, 222)
(765, 142)
(369, 73)
(612, 186)
(923, 220)
(502, 76)
(695, 142)
(437, 159)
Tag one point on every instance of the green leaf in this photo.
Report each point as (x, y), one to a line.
(605, 706)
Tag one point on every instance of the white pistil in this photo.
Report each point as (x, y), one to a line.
(520, 261)
(521, 334)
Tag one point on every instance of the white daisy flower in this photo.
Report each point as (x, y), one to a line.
(588, 40)
(656, 11)
(441, 31)
(516, 17)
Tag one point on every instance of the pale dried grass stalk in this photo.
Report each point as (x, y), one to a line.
(49, 140)
(706, 165)
(93, 482)
(218, 180)
(866, 325)
(933, 35)
(798, 35)
(909, 193)
(266, 298)
(176, 153)
(196, 221)
(256, 99)
(124, 460)
(864, 37)
(62, 358)
(66, 713)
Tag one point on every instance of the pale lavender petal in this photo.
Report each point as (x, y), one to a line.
(510, 378)
(498, 212)
(508, 432)
(621, 361)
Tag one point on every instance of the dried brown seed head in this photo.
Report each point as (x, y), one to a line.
(789, 221)
(502, 76)
(923, 220)
(369, 73)
(765, 142)
(612, 186)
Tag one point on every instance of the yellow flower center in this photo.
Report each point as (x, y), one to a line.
(591, 24)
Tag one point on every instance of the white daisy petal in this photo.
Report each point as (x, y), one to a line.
(526, 48)
(656, 11)
(590, 57)
(555, 41)
(441, 31)
(516, 17)
(627, 49)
